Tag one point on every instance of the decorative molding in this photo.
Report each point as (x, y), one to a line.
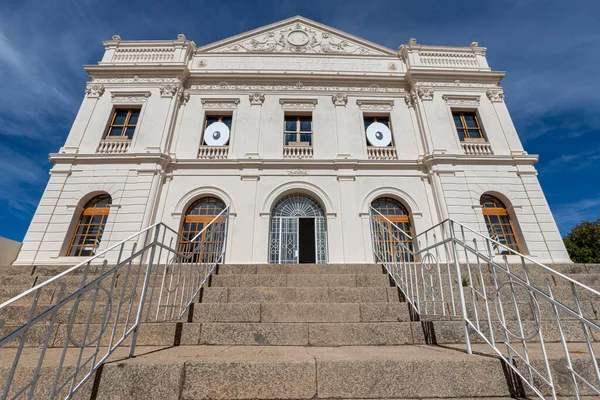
(495, 95)
(297, 38)
(425, 93)
(184, 97)
(378, 105)
(298, 86)
(393, 67)
(410, 99)
(202, 63)
(220, 103)
(455, 83)
(94, 91)
(339, 99)
(461, 100)
(306, 104)
(129, 97)
(297, 172)
(257, 98)
(137, 79)
(169, 90)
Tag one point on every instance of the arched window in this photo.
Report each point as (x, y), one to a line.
(90, 227)
(395, 216)
(197, 217)
(498, 222)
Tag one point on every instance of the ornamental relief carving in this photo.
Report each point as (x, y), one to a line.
(257, 98)
(169, 90)
(297, 172)
(461, 100)
(220, 103)
(129, 97)
(304, 104)
(495, 95)
(339, 99)
(299, 86)
(425, 93)
(297, 38)
(137, 79)
(94, 90)
(376, 105)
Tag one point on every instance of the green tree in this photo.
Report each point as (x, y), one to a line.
(583, 242)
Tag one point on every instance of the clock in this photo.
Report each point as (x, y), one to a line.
(297, 38)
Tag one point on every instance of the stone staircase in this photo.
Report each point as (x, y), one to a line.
(290, 332)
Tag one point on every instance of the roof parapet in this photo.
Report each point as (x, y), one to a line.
(444, 57)
(147, 52)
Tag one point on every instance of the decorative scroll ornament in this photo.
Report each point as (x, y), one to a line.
(339, 99)
(410, 99)
(297, 38)
(94, 90)
(257, 98)
(495, 95)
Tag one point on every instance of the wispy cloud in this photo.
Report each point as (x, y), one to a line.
(569, 214)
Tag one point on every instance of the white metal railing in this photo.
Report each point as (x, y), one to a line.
(297, 151)
(113, 146)
(213, 152)
(517, 309)
(477, 148)
(100, 307)
(382, 153)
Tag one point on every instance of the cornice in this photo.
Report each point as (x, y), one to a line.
(462, 159)
(125, 158)
(137, 73)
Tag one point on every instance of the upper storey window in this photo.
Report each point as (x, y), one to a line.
(468, 126)
(217, 129)
(123, 123)
(378, 131)
(298, 130)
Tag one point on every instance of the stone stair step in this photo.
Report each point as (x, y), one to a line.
(354, 269)
(299, 295)
(300, 280)
(300, 312)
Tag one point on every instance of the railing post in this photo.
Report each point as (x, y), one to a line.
(461, 292)
(138, 318)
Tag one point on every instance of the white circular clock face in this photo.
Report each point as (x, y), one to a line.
(297, 38)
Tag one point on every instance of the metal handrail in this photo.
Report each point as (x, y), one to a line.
(452, 270)
(134, 285)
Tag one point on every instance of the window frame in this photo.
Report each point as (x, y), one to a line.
(125, 125)
(465, 128)
(499, 211)
(374, 118)
(90, 210)
(298, 132)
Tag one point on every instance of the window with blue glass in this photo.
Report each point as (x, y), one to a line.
(298, 130)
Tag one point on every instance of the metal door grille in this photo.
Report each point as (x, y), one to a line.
(284, 235)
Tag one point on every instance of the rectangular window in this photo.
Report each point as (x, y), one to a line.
(383, 138)
(468, 126)
(218, 138)
(123, 123)
(298, 131)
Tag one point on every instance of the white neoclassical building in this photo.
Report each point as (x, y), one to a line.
(299, 128)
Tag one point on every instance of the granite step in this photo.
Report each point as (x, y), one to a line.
(300, 280)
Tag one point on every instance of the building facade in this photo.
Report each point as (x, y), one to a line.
(299, 128)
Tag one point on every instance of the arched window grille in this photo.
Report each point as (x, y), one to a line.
(499, 224)
(198, 216)
(389, 238)
(90, 227)
(284, 232)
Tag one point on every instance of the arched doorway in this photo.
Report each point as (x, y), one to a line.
(198, 216)
(393, 217)
(90, 227)
(298, 232)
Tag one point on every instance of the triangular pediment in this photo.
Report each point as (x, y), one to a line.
(297, 35)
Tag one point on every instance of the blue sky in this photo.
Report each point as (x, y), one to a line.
(550, 49)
